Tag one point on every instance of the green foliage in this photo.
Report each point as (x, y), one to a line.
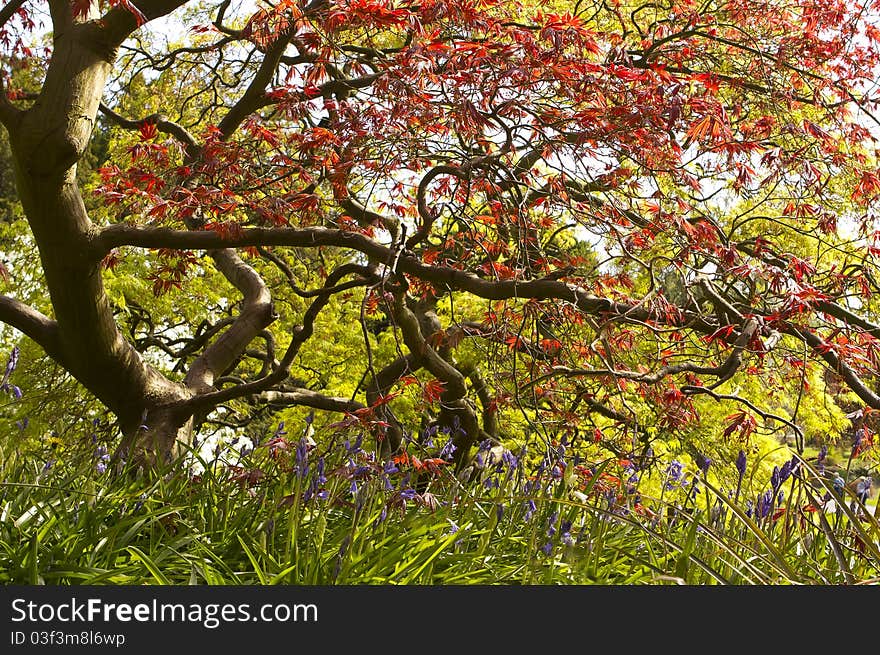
(255, 523)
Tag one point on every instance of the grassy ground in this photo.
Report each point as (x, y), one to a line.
(288, 514)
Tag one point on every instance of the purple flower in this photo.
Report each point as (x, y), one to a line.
(820, 459)
(103, 457)
(551, 530)
(351, 449)
(448, 449)
(11, 363)
(765, 502)
(785, 472)
(302, 457)
(499, 512)
(320, 478)
(509, 460)
(703, 463)
(674, 472)
(453, 527)
(547, 548)
(530, 509)
(774, 478)
(565, 533)
(741, 463)
(408, 494)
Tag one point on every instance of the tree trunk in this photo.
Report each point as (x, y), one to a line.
(48, 139)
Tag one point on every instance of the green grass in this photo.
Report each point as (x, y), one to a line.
(71, 525)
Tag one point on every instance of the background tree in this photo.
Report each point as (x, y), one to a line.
(590, 223)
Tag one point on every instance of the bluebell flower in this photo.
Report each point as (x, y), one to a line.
(448, 450)
(302, 457)
(741, 463)
(820, 459)
(551, 530)
(703, 463)
(453, 527)
(11, 363)
(565, 533)
(530, 509)
(499, 512)
(408, 494)
(547, 548)
(351, 449)
(785, 472)
(857, 440)
(765, 502)
(674, 472)
(103, 457)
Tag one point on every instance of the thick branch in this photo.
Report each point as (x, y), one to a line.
(42, 329)
(443, 277)
(853, 381)
(255, 315)
(254, 95)
(309, 398)
(299, 336)
(9, 10)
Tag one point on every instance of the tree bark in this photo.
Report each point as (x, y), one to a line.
(48, 139)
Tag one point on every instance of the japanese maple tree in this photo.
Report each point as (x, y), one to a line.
(625, 205)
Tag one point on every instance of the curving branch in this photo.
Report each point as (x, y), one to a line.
(255, 315)
(309, 398)
(723, 372)
(454, 406)
(162, 123)
(444, 277)
(254, 96)
(300, 334)
(42, 329)
(9, 10)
